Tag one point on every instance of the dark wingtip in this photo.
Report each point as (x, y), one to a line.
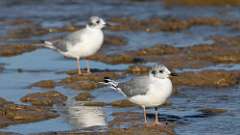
(42, 41)
(106, 79)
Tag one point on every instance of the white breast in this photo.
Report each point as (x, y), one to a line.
(91, 42)
(159, 91)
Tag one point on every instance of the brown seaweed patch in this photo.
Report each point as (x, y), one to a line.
(44, 84)
(207, 79)
(11, 113)
(87, 81)
(12, 50)
(122, 103)
(134, 120)
(113, 59)
(85, 96)
(158, 49)
(158, 24)
(115, 40)
(45, 99)
(27, 32)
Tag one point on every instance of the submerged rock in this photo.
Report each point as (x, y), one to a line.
(212, 111)
(45, 99)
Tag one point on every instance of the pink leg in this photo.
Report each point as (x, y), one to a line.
(78, 65)
(145, 116)
(156, 121)
(88, 67)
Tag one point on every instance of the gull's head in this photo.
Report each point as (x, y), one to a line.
(161, 72)
(96, 22)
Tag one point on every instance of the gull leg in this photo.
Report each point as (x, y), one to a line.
(156, 121)
(145, 116)
(78, 66)
(88, 67)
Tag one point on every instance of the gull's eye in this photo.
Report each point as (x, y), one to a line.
(160, 71)
(98, 22)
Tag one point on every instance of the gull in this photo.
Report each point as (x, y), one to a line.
(81, 43)
(147, 91)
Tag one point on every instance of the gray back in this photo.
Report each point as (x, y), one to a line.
(71, 40)
(136, 86)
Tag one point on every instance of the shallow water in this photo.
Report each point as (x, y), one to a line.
(23, 70)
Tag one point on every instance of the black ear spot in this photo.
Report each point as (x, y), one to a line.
(153, 72)
(98, 21)
(160, 71)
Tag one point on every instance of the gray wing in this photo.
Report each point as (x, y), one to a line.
(137, 86)
(59, 45)
(67, 42)
(74, 38)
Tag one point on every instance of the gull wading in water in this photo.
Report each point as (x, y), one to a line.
(147, 91)
(82, 43)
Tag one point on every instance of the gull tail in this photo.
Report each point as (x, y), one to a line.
(113, 85)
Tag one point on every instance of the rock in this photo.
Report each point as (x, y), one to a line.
(44, 84)
(45, 99)
(85, 96)
(12, 50)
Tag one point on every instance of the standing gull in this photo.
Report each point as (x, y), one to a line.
(147, 91)
(82, 43)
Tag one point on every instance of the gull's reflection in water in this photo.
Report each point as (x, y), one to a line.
(86, 116)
